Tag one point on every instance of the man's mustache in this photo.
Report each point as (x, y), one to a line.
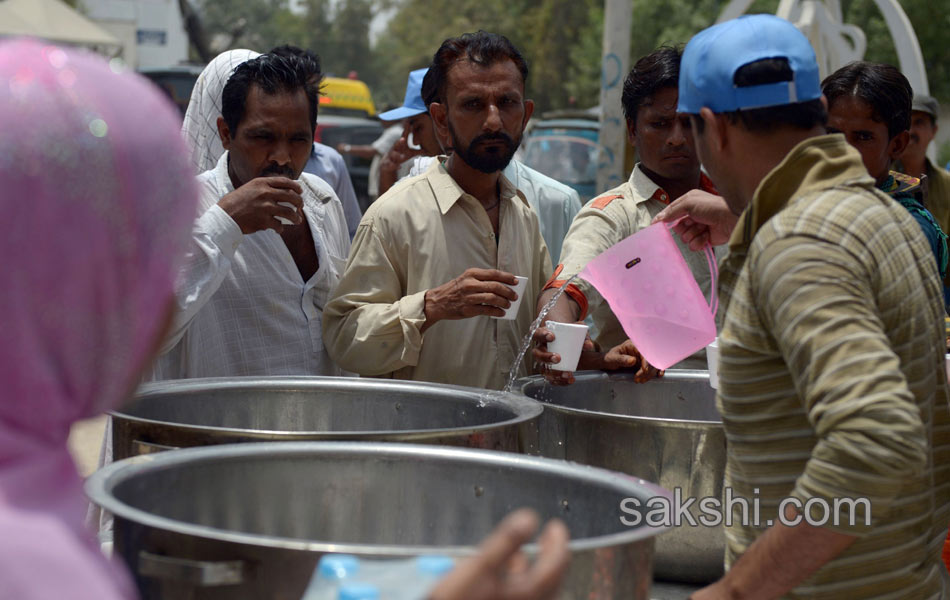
(491, 137)
(278, 171)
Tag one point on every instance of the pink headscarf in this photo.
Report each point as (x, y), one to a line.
(96, 194)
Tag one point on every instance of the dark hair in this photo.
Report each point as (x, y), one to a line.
(310, 59)
(658, 70)
(482, 48)
(799, 115)
(880, 86)
(273, 74)
(429, 90)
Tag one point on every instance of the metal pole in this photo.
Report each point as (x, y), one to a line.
(618, 19)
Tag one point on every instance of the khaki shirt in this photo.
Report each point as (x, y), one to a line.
(607, 220)
(422, 233)
(831, 376)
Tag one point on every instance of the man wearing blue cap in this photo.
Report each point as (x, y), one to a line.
(832, 388)
(418, 134)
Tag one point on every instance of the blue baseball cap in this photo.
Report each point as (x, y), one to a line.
(713, 56)
(413, 104)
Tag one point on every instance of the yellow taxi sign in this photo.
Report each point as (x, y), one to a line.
(346, 94)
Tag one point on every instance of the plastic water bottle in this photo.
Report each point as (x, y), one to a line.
(332, 571)
(358, 591)
(345, 577)
(429, 570)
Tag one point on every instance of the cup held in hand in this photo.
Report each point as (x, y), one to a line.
(568, 343)
(712, 361)
(512, 311)
(282, 220)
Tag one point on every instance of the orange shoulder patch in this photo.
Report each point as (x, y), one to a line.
(603, 201)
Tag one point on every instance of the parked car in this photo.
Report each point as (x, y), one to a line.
(334, 129)
(177, 82)
(565, 149)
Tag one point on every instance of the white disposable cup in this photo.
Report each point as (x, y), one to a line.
(947, 360)
(568, 343)
(712, 361)
(512, 311)
(290, 206)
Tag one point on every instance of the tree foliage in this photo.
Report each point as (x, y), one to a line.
(561, 39)
(336, 30)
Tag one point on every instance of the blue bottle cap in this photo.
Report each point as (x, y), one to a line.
(338, 566)
(435, 565)
(358, 591)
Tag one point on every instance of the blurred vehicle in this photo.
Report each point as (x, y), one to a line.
(346, 115)
(346, 97)
(564, 145)
(177, 82)
(334, 129)
(565, 149)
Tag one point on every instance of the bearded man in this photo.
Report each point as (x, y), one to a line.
(435, 257)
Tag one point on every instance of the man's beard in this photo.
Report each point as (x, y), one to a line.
(486, 161)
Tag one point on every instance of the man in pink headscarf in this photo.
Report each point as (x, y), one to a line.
(98, 202)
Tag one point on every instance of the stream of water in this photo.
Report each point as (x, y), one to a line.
(526, 342)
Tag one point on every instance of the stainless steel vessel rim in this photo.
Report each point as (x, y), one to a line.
(528, 408)
(99, 485)
(580, 376)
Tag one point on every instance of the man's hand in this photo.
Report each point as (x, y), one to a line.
(706, 219)
(501, 572)
(626, 356)
(475, 292)
(543, 358)
(254, 205)
(389, 166)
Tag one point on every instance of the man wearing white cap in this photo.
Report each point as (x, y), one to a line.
(832, 389)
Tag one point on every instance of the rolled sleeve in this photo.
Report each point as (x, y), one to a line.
(215, 238)
(593, 231)
(369, 326)
(816, 301)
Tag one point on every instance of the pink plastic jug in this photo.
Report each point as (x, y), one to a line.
(651, 290)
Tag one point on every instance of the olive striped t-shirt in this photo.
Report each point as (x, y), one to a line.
(832, 380)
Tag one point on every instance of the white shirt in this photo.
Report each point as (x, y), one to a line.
(327, 164)
(242, 307)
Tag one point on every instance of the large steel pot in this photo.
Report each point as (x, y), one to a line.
(667, 431)
(252, 520)
(201, 412)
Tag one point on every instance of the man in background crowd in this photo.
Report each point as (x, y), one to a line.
(914, 161)
(668, 169)
(870, 104)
